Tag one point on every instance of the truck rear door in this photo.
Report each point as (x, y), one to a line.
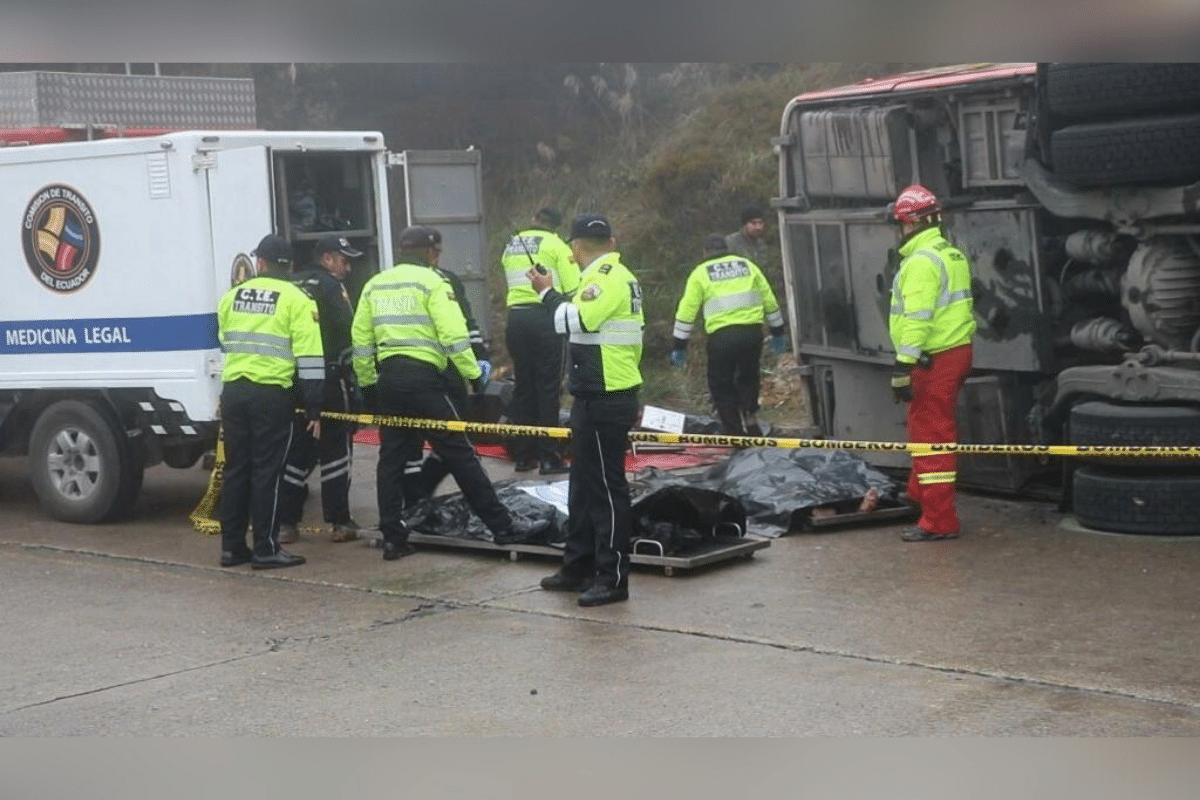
(444, 189)
(239, 210)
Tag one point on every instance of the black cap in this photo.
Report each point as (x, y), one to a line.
(715, 243)
(275, 249)
(418, 237)
(550, 216)
(752, 212)
(335, 244)
(590, 226)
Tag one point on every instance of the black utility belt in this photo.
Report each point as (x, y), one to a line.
(398, 362)
(616, 393)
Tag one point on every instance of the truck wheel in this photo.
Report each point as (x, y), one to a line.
(1163, 150)
(1089, 91)
(1157, 504)
(81, 467)
(1097, 422)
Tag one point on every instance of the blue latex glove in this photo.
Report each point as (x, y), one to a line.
(778, 344)
(485, 368)
(678, 357)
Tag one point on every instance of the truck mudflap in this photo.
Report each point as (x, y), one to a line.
(169, 418)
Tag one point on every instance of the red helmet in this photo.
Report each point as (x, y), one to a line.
(915, 203)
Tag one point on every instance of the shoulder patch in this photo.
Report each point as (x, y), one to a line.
(590, 292)
(605, 269)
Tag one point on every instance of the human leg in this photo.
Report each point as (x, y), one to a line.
(234, 511)
(722, 365)
(609, 507)
(932, 419)
(272, 417)
(519, 338)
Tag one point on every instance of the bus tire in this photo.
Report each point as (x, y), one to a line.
(1159, 150)
(1140, 503)
(1086, 91)
(1101, 423)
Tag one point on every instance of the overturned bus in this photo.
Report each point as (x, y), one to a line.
(1074, 190)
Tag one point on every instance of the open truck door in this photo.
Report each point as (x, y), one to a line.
(236, 228)
(444, 189)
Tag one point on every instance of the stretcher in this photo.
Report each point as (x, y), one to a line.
(645, 552)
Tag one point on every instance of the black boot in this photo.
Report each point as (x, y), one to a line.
(521, 531)
(282, 558)
(603, 595)
(558, 582)
(395, 550)
(731, 420)
(553, 466)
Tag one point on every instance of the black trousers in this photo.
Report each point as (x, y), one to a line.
(434, 468)
(332, 451)
(600, 523)
(537, 355)
(734, 370)
(400, 452)
(257, 423)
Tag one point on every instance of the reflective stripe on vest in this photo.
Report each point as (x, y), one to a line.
(259, 344)
(733, 302)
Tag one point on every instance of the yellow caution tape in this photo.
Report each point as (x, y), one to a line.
(915, 448)
(202, 519)
(202, 516)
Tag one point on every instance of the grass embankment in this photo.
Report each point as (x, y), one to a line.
(665, 186)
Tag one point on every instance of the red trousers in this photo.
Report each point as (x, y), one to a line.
(931, 420)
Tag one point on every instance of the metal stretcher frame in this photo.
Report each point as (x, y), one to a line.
(703, 555)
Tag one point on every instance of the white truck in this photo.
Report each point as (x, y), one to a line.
(130, 205)
(117, 251)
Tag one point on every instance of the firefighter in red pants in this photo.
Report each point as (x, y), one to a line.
(931, 324)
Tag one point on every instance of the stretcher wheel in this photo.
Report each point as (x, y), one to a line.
(513, 555)
(669, 572)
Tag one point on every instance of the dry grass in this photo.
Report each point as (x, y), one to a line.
(693, 164)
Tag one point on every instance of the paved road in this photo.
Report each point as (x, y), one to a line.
(1023, 627)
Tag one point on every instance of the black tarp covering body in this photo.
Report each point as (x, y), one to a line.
(778, 488)
(761, 491)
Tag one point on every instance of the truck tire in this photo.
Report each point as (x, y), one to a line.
(81, 465)
(1155, 504)
(1161, 150)
(1098, 422)
(1082, 91)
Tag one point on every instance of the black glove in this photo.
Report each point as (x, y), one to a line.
(902, 382)
(370, 395)
(478, 385)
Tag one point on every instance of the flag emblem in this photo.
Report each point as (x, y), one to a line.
(61, 238)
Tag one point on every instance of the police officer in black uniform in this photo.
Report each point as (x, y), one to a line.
(434, 468)
(324, 281)
(604, 324)
(407, 327)
(270, 335)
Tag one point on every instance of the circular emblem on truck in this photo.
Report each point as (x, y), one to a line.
(61, 238)
(243, 269)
